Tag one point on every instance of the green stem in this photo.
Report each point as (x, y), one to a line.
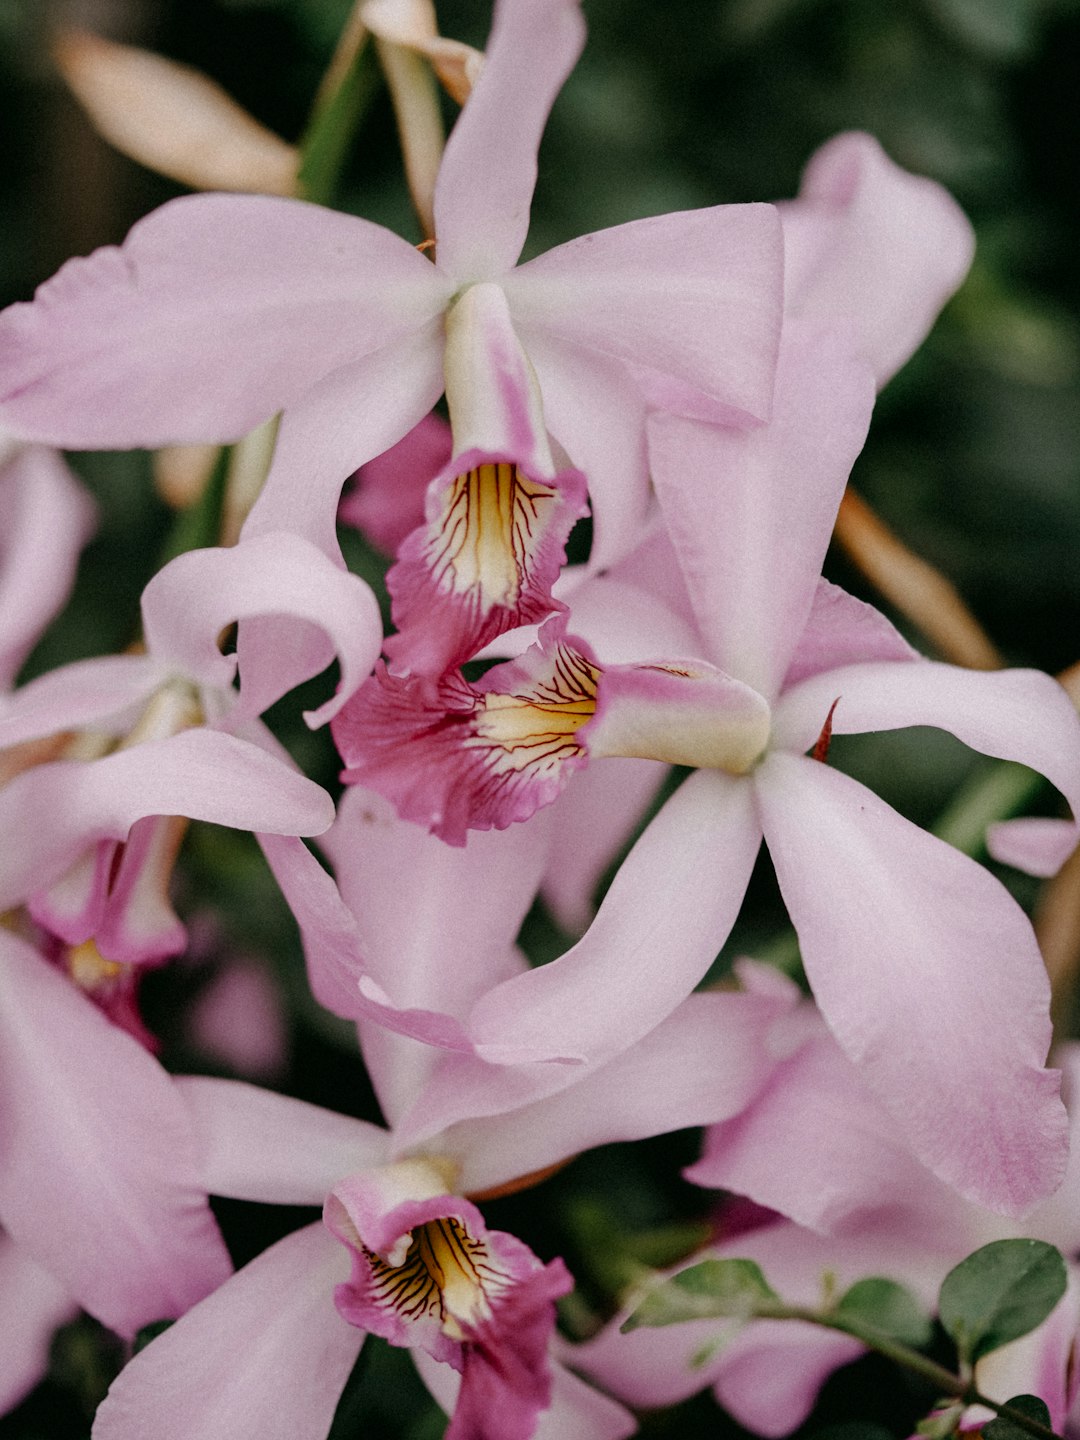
(995, 792)
(943, 1380)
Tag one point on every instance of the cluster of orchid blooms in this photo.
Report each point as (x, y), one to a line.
(700, 384)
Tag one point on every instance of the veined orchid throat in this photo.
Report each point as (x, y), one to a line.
(456, 756)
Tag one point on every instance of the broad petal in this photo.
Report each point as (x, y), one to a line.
(817, 1146)
(750, 512)
(32, 1306)
(104, 693)
(488, 172)
(217, 311)
(256, 1145)
(667, 913)
(203, 774)
(46, 517)
(956, 973)
(594, 410)
(99, 1175)
(436, 921)
(593, 819)
(186, 606)
(841, 630)
(872, 246)
(704, 1063)
(353, 414)
(1020, 715)
(690, 301)
(283, 1382)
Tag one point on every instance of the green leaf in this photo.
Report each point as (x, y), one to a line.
(713, 1289)
(1005, 1429)
(942, 1423)
(889, 1308)
(1000, 1293)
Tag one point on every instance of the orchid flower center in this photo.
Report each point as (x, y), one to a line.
(482, 540)
(448, 1275)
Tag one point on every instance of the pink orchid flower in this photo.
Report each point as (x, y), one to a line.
(46, 517)
(857, 1203)
(100, 1178)
(221, 310)
(153, 742)
(777, 662)
(404, 1252)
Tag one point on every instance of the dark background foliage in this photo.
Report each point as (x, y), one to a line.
(974, 458)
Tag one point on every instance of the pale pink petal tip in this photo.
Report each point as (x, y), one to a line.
(1037, 846)
(873, 246)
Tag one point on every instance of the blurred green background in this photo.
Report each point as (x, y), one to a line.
(974, 455)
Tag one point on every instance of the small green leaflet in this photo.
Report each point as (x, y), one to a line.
(713, 1289)
(889, 1308)
(1000, 1293)
(1005, 1429)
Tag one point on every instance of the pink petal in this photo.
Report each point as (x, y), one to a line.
(817, 1146)
(264, 1358)
(774, 1370)
(99, 1176)
(868, 244)
(105, 693)
(750, 512)
(386, 500)
(188, 603)
(33, 1305)
(1036, 845)
(353, 414)
(594, 410)
(594, 818)
(238, 1020)
(488, 172)
(666, 915)
(216, 311)
(256, 1145)
(956, 973)
(1019, 715)
(704, 1063)
(577, 1411)
(436, 922)
(690, 301)
(1039, 1363)
(200, 773)
(46, 517)
(841, 630)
